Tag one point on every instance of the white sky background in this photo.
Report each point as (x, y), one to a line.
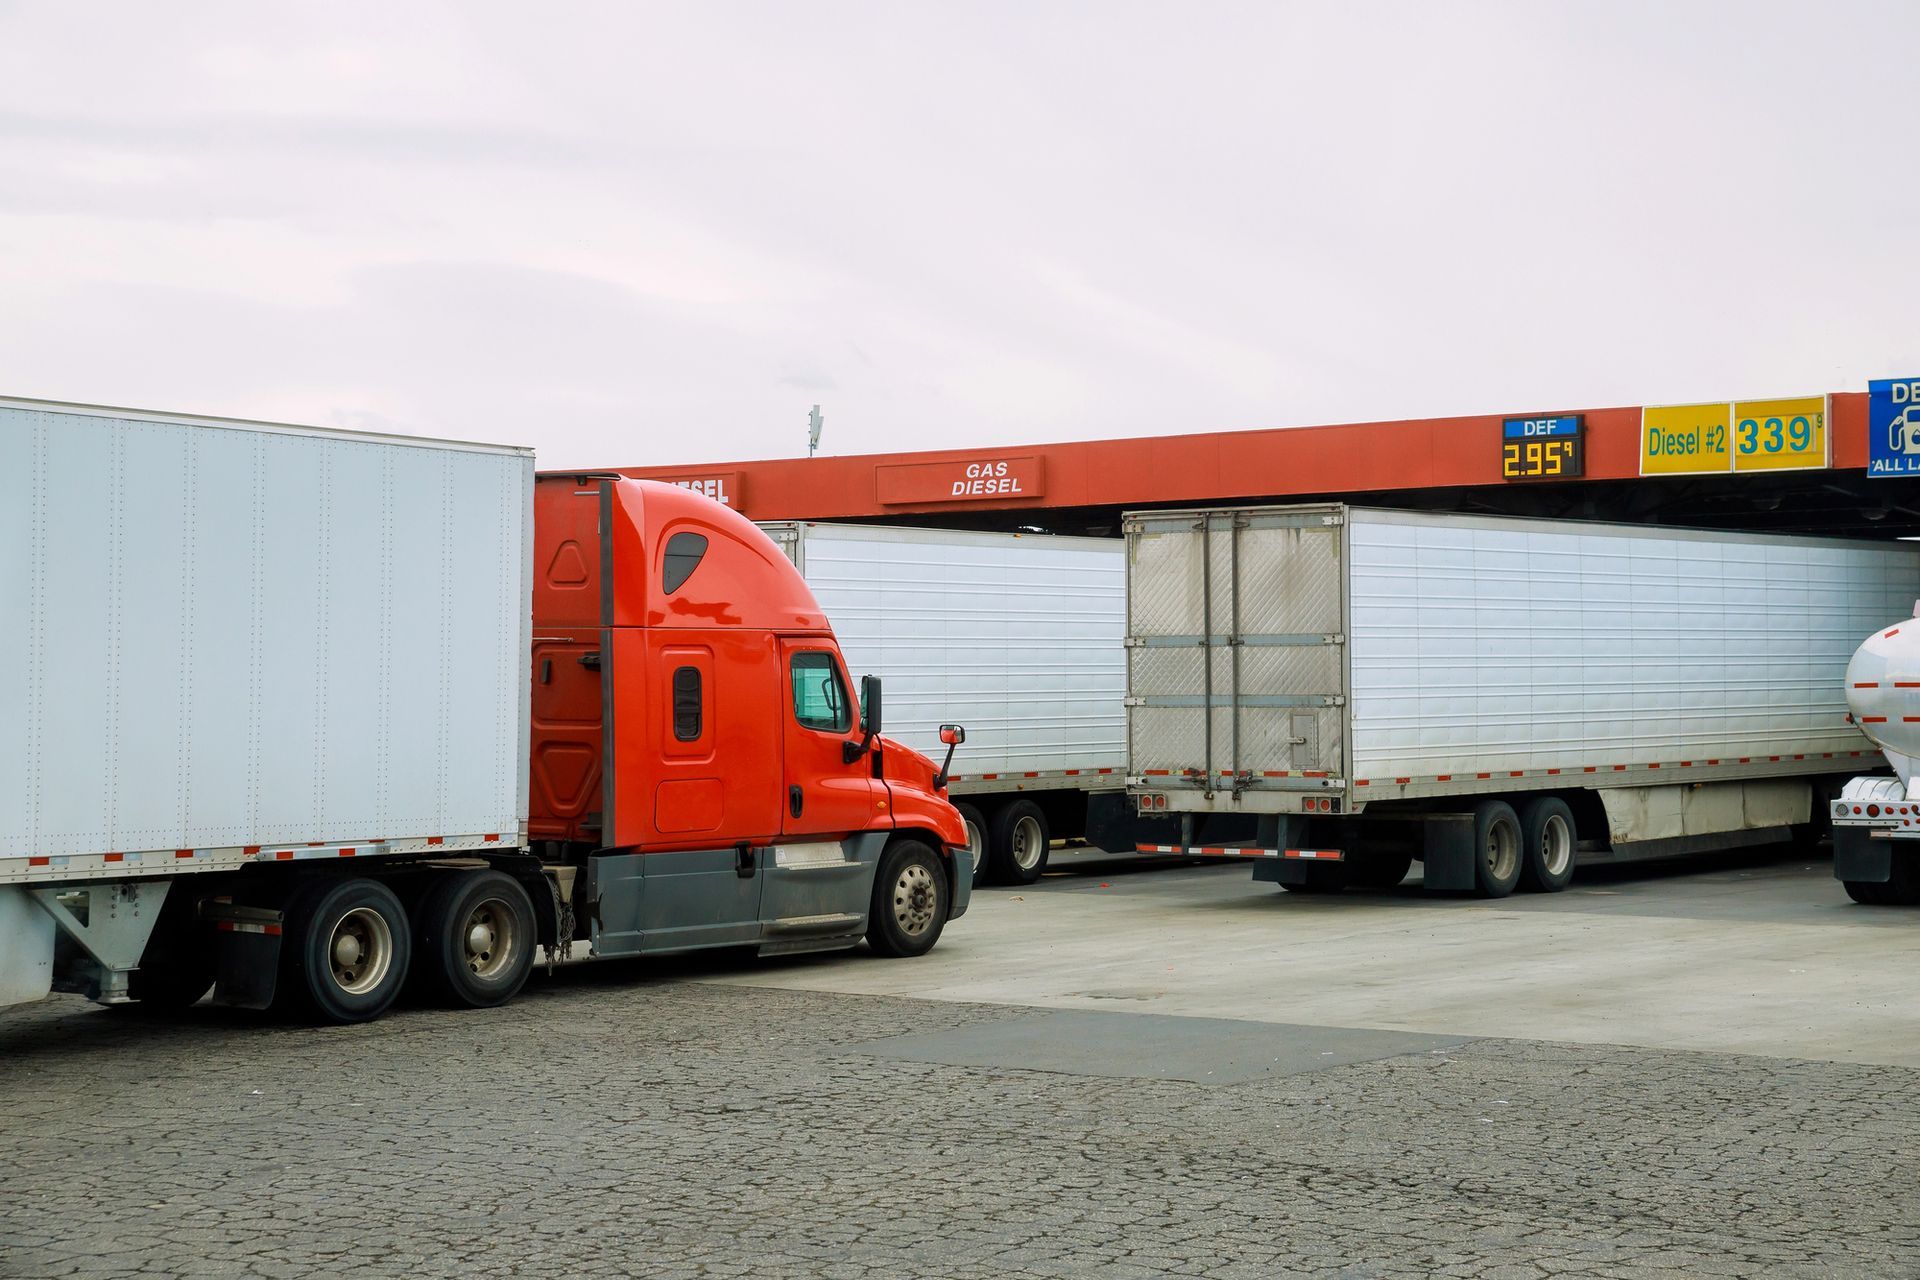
(633, 233)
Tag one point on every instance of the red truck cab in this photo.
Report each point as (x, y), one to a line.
(697, 743)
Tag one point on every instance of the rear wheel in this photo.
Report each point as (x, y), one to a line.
(910, 901)
(1547, 831)
(475, 939)
(1901, 888)
(177, 967)
(1380, 870)
(1498, 848)
(976, 839)
(346, 949)
(1019, 842)
(1319, 880)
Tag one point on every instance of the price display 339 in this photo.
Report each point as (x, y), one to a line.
(1547, 448)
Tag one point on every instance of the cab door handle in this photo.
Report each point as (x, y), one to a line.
(796, 800)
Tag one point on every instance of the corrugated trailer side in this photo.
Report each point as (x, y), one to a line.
(231, 643)
(1537, 650)
(1500, 685)
(1016, 636)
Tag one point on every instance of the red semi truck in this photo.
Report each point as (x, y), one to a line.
(303, 716)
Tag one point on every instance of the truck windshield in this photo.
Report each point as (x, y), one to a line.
(819, 698)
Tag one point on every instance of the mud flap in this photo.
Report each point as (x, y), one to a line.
(1859, 858)
(246, 968)
(1447, 852)
(1282, 831)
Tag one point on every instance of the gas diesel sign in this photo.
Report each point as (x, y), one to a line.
(971, 480)
(724, 487)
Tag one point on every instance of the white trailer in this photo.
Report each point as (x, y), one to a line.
(1502, 698)
(235, 647)
(1017, 636)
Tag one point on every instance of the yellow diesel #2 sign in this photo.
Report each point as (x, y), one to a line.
(1684, 439)
(1748, 435)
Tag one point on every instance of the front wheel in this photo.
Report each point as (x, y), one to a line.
(910, 901)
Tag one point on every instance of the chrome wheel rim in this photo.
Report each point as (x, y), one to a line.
(1028, 846)
(492, 938)
(1556, 846)
(976, 845)
(914, 897)
(360, 951)
(1502, 851)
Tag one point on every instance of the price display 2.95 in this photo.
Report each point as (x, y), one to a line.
(1543, 448)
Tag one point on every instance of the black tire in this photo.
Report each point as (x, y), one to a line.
(1552, 844)
(178, 982)
(1871, 893)
(1018, 843)
(361, 986)
(1498, 848)
(1380, 870)
(178, 966)
(1321, 877)
(977, 840)
(1901, 888)
(474, 939)
(911, 898)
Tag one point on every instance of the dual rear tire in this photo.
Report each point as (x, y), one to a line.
(349, 947)
(1009, 842)
(1533, 846)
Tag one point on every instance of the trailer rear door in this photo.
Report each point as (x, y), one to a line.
(1236, 648)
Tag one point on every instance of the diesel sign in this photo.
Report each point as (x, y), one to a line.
(960, 481)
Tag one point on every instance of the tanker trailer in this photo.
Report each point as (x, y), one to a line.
(1877, 818)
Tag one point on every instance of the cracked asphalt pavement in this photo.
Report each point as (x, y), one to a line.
(685, 1119)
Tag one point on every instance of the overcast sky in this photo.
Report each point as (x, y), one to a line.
(632, 233)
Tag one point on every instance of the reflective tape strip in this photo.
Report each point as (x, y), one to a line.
(1221, 851)
(247, 926)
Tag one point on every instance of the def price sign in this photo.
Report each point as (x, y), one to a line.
(1552, 448)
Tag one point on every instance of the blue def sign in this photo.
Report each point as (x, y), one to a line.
(1893, 427)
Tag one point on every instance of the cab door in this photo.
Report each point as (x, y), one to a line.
(817, 882)
(827, 796)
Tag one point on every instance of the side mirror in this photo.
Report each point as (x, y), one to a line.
(953, 735)
(869, 720)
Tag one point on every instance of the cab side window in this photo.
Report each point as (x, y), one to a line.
(819, 696)
(684, 551)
